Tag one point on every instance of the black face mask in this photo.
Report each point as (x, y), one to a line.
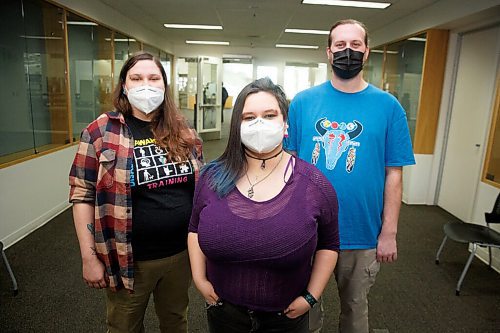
(347, 63)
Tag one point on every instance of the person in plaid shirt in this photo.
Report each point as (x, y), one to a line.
(131, 185)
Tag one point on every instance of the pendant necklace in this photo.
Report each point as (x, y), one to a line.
(263, 164)
(250, 191)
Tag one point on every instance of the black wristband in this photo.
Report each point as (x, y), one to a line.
(309, 298)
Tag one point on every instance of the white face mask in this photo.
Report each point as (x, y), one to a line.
(145, 98)
(261, 135)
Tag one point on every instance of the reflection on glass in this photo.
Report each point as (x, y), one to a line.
(372, 69)
(187, 71)
(133, 47)
(166, 61)
(151, 49)
(90, 72)
(210, 91)
(33, 91)
(403, 74)
(121, 53)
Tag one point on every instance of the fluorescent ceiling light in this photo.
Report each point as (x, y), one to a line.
(298, 46)
(382, 51)
(237, 56)
(120, 39)
(346, 3)
(39, 37)
(306, 31)
(193, 26)
(417, 39)
(206, 42)
(80, 23)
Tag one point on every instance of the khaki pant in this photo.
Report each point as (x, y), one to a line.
(355, 273)
(316, 317)
(168, 279)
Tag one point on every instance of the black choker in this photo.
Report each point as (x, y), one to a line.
(263, 164)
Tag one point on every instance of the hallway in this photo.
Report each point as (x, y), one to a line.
(412, 295)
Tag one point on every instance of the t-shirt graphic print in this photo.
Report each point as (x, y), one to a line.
(153, 168)
(335, 138)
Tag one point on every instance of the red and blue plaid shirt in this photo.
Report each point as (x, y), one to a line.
(100, 175)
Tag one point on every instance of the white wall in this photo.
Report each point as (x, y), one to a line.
(416, 180)
(484, 195)
(33, 192)
(443, 13)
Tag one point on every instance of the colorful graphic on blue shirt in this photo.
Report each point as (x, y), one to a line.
(336, 138)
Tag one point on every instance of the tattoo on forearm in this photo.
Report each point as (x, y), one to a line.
(94, 252)
(90, 226)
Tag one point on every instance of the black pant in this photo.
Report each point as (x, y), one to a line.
(229, 318)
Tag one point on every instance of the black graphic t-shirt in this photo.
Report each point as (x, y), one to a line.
(162, 197)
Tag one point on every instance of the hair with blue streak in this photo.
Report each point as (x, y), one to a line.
(224, 171)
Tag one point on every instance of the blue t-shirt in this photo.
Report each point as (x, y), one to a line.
(351, 138)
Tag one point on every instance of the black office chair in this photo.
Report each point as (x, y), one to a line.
(6, 262)
(477, 235)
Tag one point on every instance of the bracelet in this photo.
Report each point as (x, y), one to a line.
(309, 298)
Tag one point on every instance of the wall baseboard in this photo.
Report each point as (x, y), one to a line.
(27, 229)
(482, 254)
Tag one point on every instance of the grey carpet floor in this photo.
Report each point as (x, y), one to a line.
(412, 295)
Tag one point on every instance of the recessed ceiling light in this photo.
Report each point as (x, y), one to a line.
(193, 26)
(417, 39)
(80, 23)
(382, 51)
(206, 42)
(294, 46)
(237, 56)
(306, 31)
(39, 37)
(120, 39)
(346, 3)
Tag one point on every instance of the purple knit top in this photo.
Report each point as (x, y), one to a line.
(259, 254)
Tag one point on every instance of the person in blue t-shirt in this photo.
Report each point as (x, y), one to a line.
(358, 136)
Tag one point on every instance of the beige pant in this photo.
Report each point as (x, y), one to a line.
(168, 279)
(316, 316)
(355, 273)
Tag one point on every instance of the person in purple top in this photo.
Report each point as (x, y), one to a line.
(263, 237)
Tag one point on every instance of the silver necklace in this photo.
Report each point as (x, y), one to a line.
(250, 191)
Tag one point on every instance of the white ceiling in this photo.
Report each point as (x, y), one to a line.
(256, 23)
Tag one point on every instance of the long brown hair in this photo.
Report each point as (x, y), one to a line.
(170, 128)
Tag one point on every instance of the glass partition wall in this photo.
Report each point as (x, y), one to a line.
(123, 48)
(403, 75)
(90, 58)
(49, 95)
(373, 68)
(397, 68)
(33, 118)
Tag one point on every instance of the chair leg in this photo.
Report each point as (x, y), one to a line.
(466, 268)
(489, 254)
(440, 249)
(12, 277)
